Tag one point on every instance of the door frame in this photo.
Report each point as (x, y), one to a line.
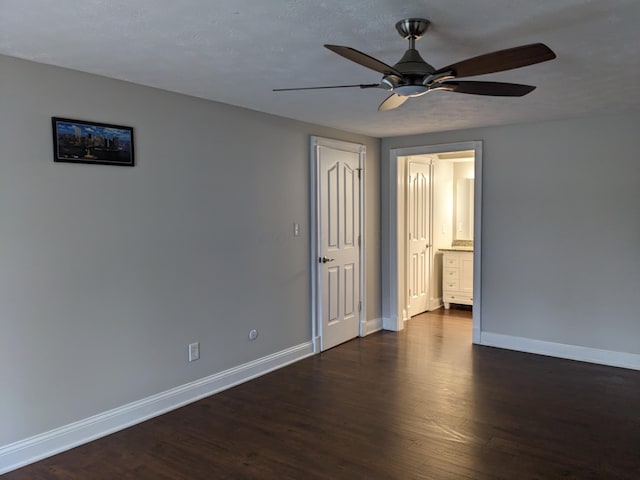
(316, 143)
(395, 234)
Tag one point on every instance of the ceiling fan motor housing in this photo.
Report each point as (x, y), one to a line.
(414, 70)
(412, 63)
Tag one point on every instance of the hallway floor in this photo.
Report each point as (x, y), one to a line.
(420, 404)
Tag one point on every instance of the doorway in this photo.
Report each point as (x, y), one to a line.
(401, 257)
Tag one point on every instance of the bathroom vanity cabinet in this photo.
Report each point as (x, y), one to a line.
(457, 277)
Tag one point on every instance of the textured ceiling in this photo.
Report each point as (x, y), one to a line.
(236, 51)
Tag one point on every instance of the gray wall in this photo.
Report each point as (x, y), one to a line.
(560, 229)
(107, 273)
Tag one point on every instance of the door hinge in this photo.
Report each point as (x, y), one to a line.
(359, 242)
(359, 172)
(360, 305)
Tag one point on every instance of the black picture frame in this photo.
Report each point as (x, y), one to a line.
(80, 141)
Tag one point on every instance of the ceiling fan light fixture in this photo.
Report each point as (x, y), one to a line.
(411, 90)
(438, 77)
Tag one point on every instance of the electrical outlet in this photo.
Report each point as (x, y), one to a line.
(296, 229)
(194, 351)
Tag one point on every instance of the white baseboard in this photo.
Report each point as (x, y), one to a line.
(435, 303)
(371, 326)
(317, 345)
(24, 452)
(476, 335)
(561, 350)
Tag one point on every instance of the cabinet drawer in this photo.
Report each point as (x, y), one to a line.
(457, 298)
(451, 261)
(451, 284)
(450, 274)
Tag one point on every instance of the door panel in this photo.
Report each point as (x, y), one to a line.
(418, 235)
(331, 209)
(350, 190)
(466, 274)
(349, 290)
(338, 232)
(333, 295)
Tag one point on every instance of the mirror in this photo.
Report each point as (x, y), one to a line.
(463, 209)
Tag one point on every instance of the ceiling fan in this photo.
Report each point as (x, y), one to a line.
(413, 77)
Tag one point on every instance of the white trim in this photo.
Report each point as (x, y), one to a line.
(561, 350)
(477, 245)
(24, 452)
(371, 326)
(476, 333)
(394, 320)
(315, 143)
(317, 344)
(435, 303)
(313, 242)
(390, 323)
(363, 264)
(390, 298)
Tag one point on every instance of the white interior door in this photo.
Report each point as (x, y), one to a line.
(338, 245)
(418, 235)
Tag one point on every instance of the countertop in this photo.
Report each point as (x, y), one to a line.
(457, 249)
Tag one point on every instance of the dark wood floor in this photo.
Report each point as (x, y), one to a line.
(423, 404)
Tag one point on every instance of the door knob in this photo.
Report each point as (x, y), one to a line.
(325, 260)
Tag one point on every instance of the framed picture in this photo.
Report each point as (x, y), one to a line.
(77, 141)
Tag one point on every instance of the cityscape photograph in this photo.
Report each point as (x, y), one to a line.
(85, 142)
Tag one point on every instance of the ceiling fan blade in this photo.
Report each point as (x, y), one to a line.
(363, 59)
(500, 61)
(367, 85)
(496, 89)
(392, 101)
